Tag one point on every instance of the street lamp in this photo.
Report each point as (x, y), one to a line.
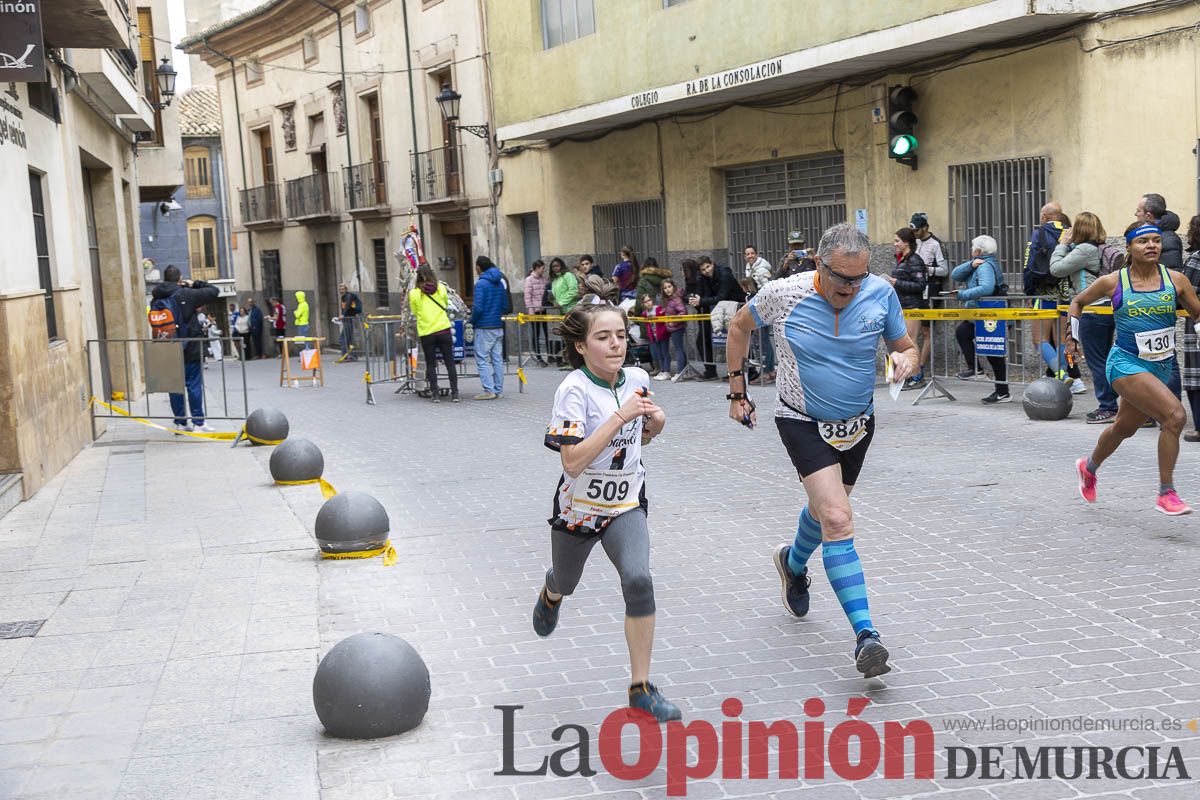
(448, 102)
(165, 76)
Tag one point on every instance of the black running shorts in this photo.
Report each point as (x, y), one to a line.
(809, 452)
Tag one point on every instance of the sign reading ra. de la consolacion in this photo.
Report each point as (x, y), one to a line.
(22, 52)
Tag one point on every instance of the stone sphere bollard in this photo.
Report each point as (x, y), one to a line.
(371, 685)
(1047, 399)
(352, 522)
(266, 426)
(297, 460)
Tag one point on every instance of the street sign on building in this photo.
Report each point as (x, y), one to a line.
(22, 52)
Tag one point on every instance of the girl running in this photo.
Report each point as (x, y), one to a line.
(1145, 296)
(602, 417)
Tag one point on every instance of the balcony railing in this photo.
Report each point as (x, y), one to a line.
(310, 196)
(261, 204)
(437, 175)
(366, 185)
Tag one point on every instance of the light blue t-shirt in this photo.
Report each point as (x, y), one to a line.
(826, 357)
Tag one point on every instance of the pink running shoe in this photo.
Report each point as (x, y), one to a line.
(1087, 481)
(1171, 505)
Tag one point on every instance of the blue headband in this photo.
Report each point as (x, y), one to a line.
(1141, 230)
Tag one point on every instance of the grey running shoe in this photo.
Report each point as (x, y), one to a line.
(870, 656)
(794, 589)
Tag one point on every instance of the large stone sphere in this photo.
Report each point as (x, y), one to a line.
(297, 460)
(267, 425)
(1047, 399)
(371, 685)
(352, 522)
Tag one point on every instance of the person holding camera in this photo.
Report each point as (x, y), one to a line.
(187, 299)
(796, 255)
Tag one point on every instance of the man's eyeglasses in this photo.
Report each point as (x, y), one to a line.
(846, 280)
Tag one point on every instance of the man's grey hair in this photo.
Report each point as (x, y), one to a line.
(984, 244)
(844, 237)
(1156, 205)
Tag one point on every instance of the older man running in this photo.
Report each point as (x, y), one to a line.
(827, 326)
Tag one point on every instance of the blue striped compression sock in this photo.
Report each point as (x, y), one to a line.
(808, 538)
(845, 574)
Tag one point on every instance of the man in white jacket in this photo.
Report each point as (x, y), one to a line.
(760, 270)
(757, 267)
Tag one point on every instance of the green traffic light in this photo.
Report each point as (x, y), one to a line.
(903, 145)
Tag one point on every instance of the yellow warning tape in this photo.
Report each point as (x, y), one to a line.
(257, 440)
(327, 490)
(521, 376)
(980, 313)
(1006, 313)
(218, 437)
(388, 551)
(523, 319)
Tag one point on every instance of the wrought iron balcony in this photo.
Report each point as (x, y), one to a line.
(437, 176)
(366, 187)
(260, 206)
(310, 199)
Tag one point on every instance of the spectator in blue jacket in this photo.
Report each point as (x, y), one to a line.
(256, 329)
(491, 303)
(982, 277)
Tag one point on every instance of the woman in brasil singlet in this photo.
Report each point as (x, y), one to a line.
(1145, 296)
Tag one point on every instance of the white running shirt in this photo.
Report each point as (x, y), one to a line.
(615, 481)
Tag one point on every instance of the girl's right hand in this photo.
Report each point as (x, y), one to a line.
(636, 406)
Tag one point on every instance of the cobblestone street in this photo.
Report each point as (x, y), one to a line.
(186, 609)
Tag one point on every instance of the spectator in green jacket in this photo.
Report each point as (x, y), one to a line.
(564, 286)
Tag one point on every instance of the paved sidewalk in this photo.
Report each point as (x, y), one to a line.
(186, 610)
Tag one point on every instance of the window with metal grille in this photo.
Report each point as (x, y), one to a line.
(381, 277)
(641, 224)
(272, 280)
(766, 201)
(1001, 199)
(566, 20)
(42, 240)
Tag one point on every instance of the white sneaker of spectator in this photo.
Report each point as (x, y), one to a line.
(1078, 386)
(204, 429)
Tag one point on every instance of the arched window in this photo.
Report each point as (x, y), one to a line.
(202, 247)
(197, 172)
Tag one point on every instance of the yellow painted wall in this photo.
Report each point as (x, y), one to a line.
(639, 44)
(1115, 123)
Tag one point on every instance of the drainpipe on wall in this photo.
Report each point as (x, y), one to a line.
(237, 110)
(493, 151)
(226, 222)
(349, 152)
(412, 101)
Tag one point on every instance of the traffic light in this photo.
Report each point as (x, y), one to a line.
(902, 143)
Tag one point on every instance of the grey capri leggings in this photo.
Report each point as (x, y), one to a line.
(626, 540)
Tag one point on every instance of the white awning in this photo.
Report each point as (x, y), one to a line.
(316, 133)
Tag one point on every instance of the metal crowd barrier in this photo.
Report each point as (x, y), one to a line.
(161, 370)
(540, 345)
(392, 354)
(1023, 361)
